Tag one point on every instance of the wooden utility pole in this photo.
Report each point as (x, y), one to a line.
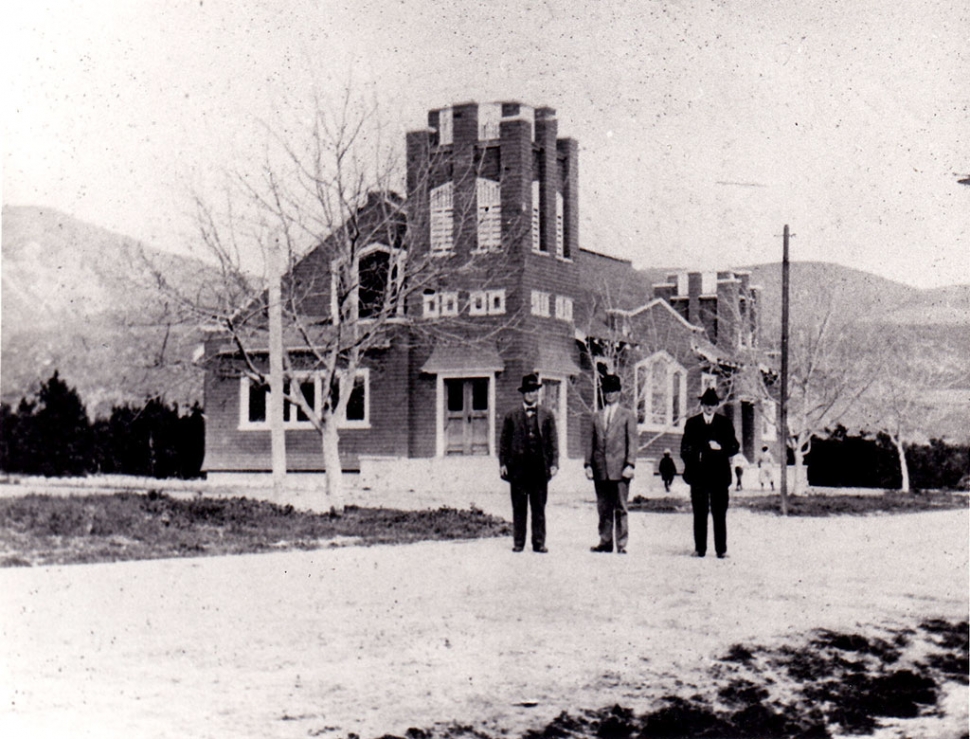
(275, 401)
(783, 421)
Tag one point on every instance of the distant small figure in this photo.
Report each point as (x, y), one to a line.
(667, 470)
(738, 471)
(766, 468)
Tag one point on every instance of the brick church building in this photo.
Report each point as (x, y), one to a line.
(494, 192)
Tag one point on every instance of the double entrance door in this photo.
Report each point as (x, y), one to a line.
(466, 416)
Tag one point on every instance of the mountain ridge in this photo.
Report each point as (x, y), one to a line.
(86, 301)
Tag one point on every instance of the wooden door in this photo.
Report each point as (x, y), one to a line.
(466, 415)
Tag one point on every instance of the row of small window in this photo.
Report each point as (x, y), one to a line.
(543, 301)
(480, 303)
(254, 400)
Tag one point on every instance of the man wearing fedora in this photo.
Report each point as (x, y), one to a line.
(611, 457)
(528, 459)
(707, 446)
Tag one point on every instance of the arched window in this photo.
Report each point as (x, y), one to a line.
(373, 272)
(661, 392)
(370, 287)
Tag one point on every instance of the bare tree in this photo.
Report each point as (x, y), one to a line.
(325, 207)
(901, 401)
(827, 376)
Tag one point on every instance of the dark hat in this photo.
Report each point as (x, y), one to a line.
(530, 383)
(611, 384)
(710, 397)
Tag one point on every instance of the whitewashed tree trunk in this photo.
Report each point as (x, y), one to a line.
(330, 442)
(904, 486)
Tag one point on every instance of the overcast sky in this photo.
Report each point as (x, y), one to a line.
(703, 127)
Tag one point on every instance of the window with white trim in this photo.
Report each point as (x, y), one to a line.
(540, 303)
(564, 308)
(477, 303)
(496, 302)
(486, 302)
(445, 126)
(560, 244)
(661, 392)
(357, 412)
(489, 117)
(489, 194)
(370, 288)
(254, 401)
(536, 243)
(437, 305)
(431, 304)
(442, 218)
(449, 304)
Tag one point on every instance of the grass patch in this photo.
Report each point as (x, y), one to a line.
(44, 529)
(821, 505)
(823, 685)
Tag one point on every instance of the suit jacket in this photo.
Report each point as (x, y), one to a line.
(513, 446)
(703, 465)
(611, 449)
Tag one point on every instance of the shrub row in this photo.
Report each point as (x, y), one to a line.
(51, 435)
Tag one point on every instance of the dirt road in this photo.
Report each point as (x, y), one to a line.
(376, 640)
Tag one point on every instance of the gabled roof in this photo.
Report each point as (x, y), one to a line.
(654, 303)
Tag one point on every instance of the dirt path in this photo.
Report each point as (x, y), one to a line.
(380, 639)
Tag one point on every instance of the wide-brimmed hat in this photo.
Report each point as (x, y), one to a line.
(710, 397)
(610, 384)
(530, 383)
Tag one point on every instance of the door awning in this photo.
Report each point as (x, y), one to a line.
(460, 357)
(556, 360)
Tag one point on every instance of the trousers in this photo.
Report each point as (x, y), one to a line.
(526, 495)
(611, 506)
(713, 499)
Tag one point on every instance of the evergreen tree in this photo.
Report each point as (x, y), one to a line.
(62, 431)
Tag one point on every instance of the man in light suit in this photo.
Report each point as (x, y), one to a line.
(610, 461)
(528, 458)
(708, 444)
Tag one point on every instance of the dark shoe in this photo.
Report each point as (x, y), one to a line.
(517, 549)
(699, 554)
(540, 550)
(621, 550)
(602, 548)
(721, 555)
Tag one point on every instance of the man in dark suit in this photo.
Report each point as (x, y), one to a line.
(611, 457)
(708, 444)
(528, 459)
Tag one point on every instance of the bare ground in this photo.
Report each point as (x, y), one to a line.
(439, 636)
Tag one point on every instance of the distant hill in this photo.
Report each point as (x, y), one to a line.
(85, 301)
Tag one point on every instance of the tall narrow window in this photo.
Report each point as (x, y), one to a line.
(536, 243)
(372, 283)
(442, 218)
(560, 243)
(445, 127)
(540, 303)
(489, 117)
(489, 215)
(256, 395)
